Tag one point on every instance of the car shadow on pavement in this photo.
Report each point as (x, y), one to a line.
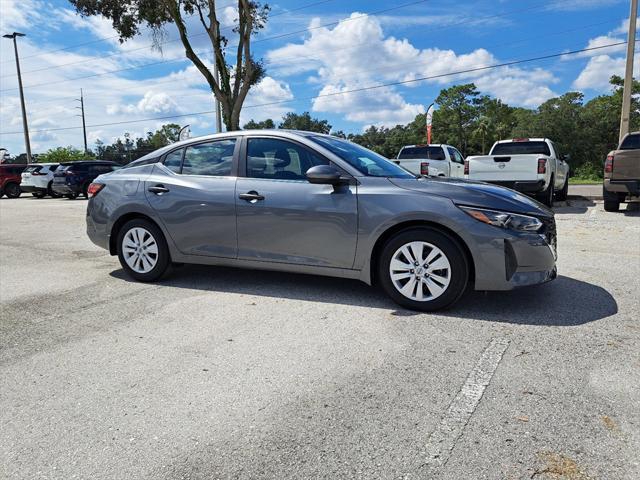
(574, 205)
(563, 302)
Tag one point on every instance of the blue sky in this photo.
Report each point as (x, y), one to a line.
(411, 39)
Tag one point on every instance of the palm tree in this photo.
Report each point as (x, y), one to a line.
(483, 127)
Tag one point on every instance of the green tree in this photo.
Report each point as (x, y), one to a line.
(63, 154)
(483, 128)
(262, 125)
(304, 121)
(236, 78)
(458, 109)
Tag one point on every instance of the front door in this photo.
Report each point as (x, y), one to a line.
(283, 218)
(193, 193)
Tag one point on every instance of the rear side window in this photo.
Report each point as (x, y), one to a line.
(211, 158)
(413, 153)
(173, 161)
(521, 148)
(631, 142)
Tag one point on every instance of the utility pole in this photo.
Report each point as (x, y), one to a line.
(84, 125)
(628, 76)
(217, 102)
(25, 128)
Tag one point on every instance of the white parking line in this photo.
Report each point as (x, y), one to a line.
(449, 430)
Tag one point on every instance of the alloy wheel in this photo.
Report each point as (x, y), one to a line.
(140, 250)
(420, 271)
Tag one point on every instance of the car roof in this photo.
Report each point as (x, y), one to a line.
(277, 132)
(93, 162)
(523, 139)
(428, 145)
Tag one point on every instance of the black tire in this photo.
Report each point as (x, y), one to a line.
(454, 253)
(546, 196)
(611, 206)
(163, 260)
(71, 196)
(12, 190)
(38, 194)
(85, 190)
(50, 191)
(564, 193)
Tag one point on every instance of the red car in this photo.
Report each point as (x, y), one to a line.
(10, 178)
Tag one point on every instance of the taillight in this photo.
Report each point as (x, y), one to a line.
(608, 164)
(424, 168)
(466, 167)
(542, 165)
(94, 189)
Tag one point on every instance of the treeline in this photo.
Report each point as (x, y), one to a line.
(464, 118)
(472, 122)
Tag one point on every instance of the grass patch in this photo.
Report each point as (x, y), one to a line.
(585, 181)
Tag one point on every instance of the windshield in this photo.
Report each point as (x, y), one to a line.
(521, 148)
(420, 152)
(362, 159)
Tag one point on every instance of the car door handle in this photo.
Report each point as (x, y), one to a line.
(158, 189)
(251, 196)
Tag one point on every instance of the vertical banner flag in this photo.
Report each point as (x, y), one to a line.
(429, 122)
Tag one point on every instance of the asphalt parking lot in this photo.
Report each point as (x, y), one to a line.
(222, 373)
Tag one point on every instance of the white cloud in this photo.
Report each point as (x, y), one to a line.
(151, 103)
(356, 54)
(267, 91)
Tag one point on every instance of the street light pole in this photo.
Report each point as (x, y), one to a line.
(25, 128)
(628, 76)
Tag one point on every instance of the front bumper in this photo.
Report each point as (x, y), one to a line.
(630, 187)
(513, 259)
(528, 186)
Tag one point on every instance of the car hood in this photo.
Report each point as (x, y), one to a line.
(476, 194)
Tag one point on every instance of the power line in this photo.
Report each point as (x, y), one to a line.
(355, 90)
(117, 92)
(287, 34)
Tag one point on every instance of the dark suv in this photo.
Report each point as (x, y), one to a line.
(10, 178)
(73, 178)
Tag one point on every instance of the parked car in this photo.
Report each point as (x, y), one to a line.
(622, 173)
(37, 179)
(72, 179)
(311, 203)
(530, 165)
(435, 160)
(10, 179)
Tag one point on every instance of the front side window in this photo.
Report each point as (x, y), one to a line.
(279, 159)
(211, 158)
(455, 155)
(362, 159)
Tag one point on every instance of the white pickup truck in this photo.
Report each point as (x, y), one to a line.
(529, 165)
(434, 160)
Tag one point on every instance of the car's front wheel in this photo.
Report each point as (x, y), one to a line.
(423, 269)
(142, 250)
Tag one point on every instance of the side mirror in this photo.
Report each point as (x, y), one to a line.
(566, 157)
(324, 175)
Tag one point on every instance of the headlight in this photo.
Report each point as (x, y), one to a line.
(512, 221)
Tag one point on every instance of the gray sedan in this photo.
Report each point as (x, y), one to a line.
(309, 203)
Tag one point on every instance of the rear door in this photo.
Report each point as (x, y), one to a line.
(193, 193)
(626, 161)
(284, 218)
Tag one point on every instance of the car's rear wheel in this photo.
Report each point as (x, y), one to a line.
(142, 250)
(611, 201)
(12, 190)
(546, 196)
(423, 269)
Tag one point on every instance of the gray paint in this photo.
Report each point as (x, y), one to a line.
(305, 228)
